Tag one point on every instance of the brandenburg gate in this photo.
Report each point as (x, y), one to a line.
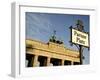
(53, 53)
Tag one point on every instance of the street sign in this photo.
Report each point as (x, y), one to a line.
(79, 37)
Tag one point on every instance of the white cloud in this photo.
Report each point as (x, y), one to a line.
(37, 24)
(39, 21)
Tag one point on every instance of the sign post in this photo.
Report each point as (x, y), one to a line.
(81, 56)
(80, 38)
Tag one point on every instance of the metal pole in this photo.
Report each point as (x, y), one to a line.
(80, 52)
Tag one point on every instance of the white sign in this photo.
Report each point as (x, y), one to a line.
(80, 38)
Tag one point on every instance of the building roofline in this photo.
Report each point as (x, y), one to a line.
(47, 43)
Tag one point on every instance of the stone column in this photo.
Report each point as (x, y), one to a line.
(35, 62)
(48, 61)
(72, 63)
(62, 63)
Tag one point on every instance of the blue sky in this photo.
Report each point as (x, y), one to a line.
(40, 26)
